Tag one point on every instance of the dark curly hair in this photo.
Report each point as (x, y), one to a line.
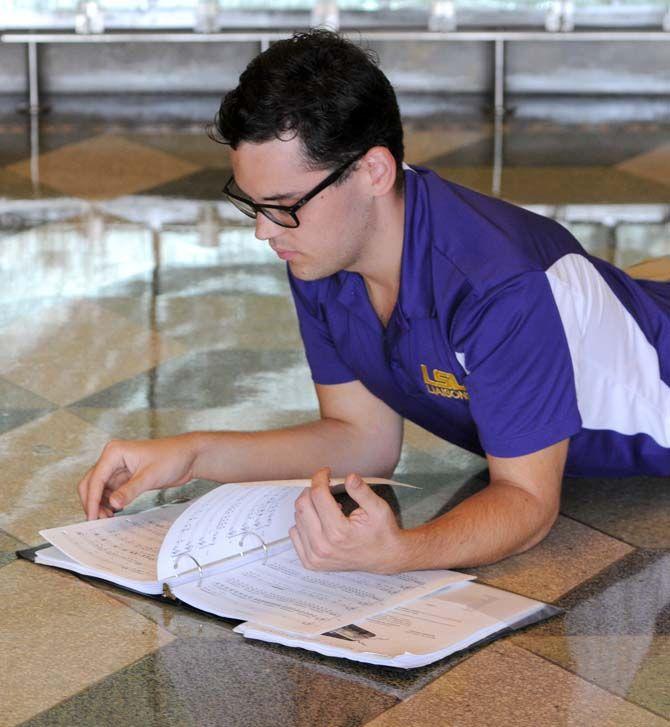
(322, 88)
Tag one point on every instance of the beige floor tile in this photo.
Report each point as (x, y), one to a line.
(76, 256)
(151, 423)
(504, 685)
(42, 462)
(77, 348)
(570, 554)
(60, 635)
(654, 165)
(208, 322)
(106, 166)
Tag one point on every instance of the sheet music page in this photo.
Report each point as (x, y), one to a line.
(212, 527)
(282, 594)
(125, 545)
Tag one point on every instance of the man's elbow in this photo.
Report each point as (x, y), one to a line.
(541, 528)
(382, 451)
(385, 463)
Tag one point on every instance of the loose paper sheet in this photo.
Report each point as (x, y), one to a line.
(416, 633)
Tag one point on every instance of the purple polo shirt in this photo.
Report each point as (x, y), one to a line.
(507, 336)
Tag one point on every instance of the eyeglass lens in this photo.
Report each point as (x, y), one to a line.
(279, 216)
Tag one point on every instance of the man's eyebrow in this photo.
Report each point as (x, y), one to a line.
(278, 197)
(274, 197)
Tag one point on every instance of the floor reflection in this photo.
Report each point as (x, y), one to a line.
(619, 626)
(136, 303)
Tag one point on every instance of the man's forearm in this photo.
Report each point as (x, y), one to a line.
(499, 521)
(290, 453)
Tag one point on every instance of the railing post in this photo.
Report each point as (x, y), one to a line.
(33, 79)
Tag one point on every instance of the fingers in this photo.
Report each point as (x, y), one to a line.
(110, 462)
(327, 509)
(82, 488)
(307, 521)
(127, 492)
(362, 493)
(321, 527)
(299, 547)
(111, 484)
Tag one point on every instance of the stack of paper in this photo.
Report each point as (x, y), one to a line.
(421, 632)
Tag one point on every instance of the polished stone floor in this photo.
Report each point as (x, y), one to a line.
(134, 303)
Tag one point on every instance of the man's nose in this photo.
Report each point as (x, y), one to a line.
(265, 228)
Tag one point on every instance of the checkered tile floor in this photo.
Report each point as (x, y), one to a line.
(135, 304)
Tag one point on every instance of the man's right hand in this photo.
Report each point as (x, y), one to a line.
(128, 468)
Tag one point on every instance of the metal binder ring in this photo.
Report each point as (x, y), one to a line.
(262, 542)
(197, 565)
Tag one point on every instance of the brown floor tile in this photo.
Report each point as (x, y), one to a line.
(207, 682)
(635, 667)
(504, 685)
(633, 509)
(424, 144)
(653, 165)
(569, 555)
(579, 185)
(196, 147)
(105, 166)
(204, 184)
(8, 543)
(479, 178)
(18, 186)
(60, 635)
(615, 631)
(8, 548)
(559, 184)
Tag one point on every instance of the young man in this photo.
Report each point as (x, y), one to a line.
(486, 324)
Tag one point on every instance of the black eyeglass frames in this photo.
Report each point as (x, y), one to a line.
(282, 215)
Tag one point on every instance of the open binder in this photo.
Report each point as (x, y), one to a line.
(228, 553)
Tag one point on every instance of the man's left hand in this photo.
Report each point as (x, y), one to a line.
(326, 539)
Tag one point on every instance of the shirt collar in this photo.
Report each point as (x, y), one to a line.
(415, 297)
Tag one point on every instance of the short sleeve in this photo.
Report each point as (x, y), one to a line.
(325, 363)
(520, 377)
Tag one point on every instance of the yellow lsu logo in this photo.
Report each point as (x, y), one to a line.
(443, 384)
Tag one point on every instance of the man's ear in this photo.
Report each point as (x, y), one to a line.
(380, 170)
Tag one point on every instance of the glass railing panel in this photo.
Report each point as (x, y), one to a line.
(158, 14)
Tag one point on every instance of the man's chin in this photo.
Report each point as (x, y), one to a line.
(302, 272)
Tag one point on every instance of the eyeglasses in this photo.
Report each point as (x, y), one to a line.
(282, 215)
